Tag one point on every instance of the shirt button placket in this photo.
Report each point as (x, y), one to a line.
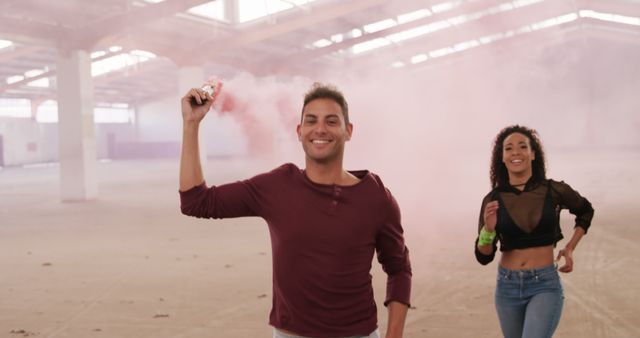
(336, 196)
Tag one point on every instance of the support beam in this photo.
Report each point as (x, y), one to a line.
(53, 72)
(76, 127)
(231, 11)
(284, 26)
(24, 27)
(89, 36)
(626, 8)
(484, 23)
(19, 52)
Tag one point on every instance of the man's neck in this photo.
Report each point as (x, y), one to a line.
(328, 173)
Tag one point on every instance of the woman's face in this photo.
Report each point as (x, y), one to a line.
(517, 154)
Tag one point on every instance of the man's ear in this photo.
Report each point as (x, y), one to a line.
(298, 132)
(349, 130)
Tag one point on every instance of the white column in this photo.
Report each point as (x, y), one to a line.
(190, 77)
(76, 126)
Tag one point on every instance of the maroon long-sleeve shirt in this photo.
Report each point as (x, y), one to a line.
(323, 239)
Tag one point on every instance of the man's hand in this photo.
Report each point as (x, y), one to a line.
(194, 113)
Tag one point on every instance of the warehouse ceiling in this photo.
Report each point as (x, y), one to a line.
(137, 47)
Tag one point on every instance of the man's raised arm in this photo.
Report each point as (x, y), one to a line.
(192, 115)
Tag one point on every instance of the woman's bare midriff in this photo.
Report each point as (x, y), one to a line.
(529, 258)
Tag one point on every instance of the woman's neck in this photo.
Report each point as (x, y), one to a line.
(519, 180)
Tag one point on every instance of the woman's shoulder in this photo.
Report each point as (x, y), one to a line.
(560, 188)
(491, 195)
(557, 184)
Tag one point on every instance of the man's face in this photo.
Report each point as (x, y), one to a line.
(323, 131)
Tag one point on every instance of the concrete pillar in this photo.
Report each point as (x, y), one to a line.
(76, 126)
(190, 77)
(231, 11)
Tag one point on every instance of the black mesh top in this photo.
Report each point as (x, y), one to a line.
(530, 217)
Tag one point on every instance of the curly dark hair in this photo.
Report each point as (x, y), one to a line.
(498, 174)
(326, 91)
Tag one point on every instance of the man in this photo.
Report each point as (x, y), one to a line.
(325, 224)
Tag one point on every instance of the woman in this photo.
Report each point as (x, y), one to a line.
(522, 212)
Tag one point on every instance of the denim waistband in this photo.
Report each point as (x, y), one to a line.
(528, 273)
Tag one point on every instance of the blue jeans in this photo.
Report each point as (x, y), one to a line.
(529, 302)
(279, 334)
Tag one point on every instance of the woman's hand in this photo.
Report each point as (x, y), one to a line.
(490, 216)
(567, 253)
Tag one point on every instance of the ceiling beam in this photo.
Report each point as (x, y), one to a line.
(183, 53)
(44, 94)
(474, 30)
(24, 27)
(92, 34)
(611, 31)
(50, 73)
(620, 7)
(488, 23)
(121, 74)
(19, 52)
(292, 23)
(8, 3)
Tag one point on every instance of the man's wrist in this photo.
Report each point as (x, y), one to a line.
(189, 126)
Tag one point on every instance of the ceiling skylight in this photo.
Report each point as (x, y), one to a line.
(249, 10)
(370, 45)
(380, 25)
(413, 16)
(322, 43)
(14, 79)
(554, 21)
(5, 43)
(212, 10)
(423, 29)
(42, 82)
(629, 20)
(419, 58)
(120, 61)
(484, 40)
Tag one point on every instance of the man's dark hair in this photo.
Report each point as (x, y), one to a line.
(498, 174)
(327, 91)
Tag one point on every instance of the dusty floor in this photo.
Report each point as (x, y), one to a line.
(130, 265)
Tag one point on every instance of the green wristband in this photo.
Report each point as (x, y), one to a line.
(486, 237)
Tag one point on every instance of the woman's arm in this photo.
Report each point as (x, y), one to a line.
(485, 252)
(582, 209)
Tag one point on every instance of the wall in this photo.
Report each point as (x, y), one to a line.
(27, 142)
(161, 121)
